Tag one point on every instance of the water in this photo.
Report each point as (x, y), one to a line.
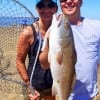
(7, 21)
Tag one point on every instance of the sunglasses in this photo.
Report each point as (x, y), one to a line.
(41, 5)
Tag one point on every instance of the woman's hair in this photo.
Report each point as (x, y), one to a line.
(44, 3)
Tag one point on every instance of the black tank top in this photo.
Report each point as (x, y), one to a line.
(41, 79)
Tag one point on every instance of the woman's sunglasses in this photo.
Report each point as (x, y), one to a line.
(46, 5)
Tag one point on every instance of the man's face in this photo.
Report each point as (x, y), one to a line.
(71, 7)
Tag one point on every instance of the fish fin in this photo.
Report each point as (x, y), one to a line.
(59, 57)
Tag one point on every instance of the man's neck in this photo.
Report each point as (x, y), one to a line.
(75, 20)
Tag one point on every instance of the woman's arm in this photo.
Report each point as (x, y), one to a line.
(23, 45)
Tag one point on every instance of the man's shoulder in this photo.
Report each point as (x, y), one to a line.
(93, 24)
(92, 21)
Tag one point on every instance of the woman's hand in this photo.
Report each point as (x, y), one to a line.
(36, 96)
(32, 93)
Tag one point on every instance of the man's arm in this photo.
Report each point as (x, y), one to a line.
(43, 57)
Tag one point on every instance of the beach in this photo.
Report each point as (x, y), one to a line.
(8, 48)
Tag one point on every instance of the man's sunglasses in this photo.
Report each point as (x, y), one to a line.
(46, 5)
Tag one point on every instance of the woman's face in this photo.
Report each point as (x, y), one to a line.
(46, 11)
(71, 7)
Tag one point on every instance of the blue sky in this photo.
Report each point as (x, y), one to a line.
(90, 8)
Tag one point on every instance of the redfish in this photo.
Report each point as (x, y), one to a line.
(61, 56)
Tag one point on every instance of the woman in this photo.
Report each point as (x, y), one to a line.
(28, 44)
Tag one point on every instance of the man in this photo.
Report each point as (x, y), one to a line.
(28, 43)
(86, 34)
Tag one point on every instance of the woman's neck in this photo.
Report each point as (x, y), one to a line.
(43, 26)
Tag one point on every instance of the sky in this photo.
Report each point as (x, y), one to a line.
(89, 9)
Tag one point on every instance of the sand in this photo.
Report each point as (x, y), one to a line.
(8, 45)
